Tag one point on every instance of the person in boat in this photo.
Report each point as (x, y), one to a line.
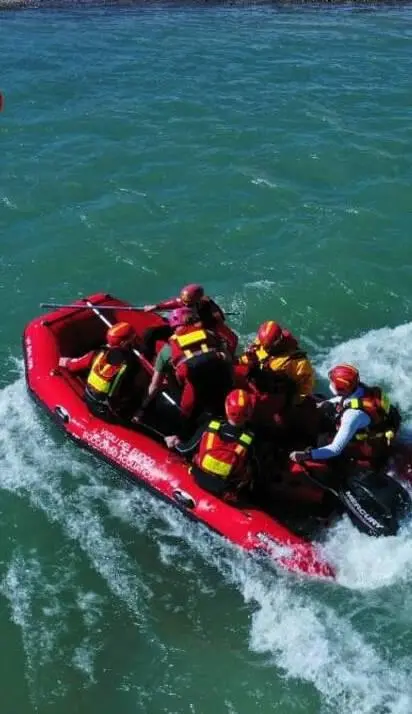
(279, 372)
(224, 462)
(209, 313)
(364, 423)
(198, 362)
(114, 374)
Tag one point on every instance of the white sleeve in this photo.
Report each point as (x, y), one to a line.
(353, 420)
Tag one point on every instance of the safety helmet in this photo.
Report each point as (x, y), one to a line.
(238, 406)
(191, 294)
(181, 316)
(120, 334)
(344, 378)
(269, 334)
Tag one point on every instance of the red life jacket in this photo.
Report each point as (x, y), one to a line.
(104, 378)
(385, 419)
(220, 457)
(189, 342)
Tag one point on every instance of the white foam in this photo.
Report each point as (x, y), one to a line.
(34, 467)
(307, 631)
(383, 357)
(367, 563)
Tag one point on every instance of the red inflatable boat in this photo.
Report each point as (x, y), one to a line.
(71, 331)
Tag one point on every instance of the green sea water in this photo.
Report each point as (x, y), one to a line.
(266, 153)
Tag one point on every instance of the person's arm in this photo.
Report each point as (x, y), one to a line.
(160, 366)
(306, 377)
(188, 448)
(170, 304)
(215, 310)
(77, 364)
(353, 420)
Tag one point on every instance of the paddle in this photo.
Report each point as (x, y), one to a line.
(87, 306)
(105, 307)
(138, 354)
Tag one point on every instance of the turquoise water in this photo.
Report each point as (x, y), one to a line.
(268, 155)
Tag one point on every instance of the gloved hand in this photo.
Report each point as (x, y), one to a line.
(299, 456)
(172, 441)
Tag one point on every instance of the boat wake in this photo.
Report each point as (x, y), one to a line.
(76, 523)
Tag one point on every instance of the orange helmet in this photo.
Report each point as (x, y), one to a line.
(238, 406)
(191, 294)
(269, 334)
(344, 378)
(120, 334)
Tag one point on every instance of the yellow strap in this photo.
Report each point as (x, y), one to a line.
(214, 466)
(191, 337)
(214, 425)
(246, 439)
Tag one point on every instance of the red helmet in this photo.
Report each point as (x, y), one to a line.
(344, 378)
(120, 334)
(269, 334)
(181, 316)
(238, 406)
(191, 294)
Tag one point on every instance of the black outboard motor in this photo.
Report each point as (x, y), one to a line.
(375, 502)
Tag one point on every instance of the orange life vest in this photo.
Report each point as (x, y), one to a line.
(190, 341)
(104, 378)
(220, 457)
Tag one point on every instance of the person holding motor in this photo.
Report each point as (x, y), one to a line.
(363, 424)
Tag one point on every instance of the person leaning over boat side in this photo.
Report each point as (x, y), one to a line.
(209, 312)
(277, 367)
(198, 362)
(365, 423)
(113, 371)
(224, 462)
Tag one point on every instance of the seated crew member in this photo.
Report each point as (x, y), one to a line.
(280, 372)
(365, 423)
(111, 382)
(199, 363)
(209, 312)
(223, 460)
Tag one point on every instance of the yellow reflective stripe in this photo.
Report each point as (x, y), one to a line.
(240, 449)
(261, 354)
(214, 466)
(117, 379)
(246, 439)
(191, 337)
(209, 441)
(98, 383)
(94, 380)
(355, 403)
(214, 425)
